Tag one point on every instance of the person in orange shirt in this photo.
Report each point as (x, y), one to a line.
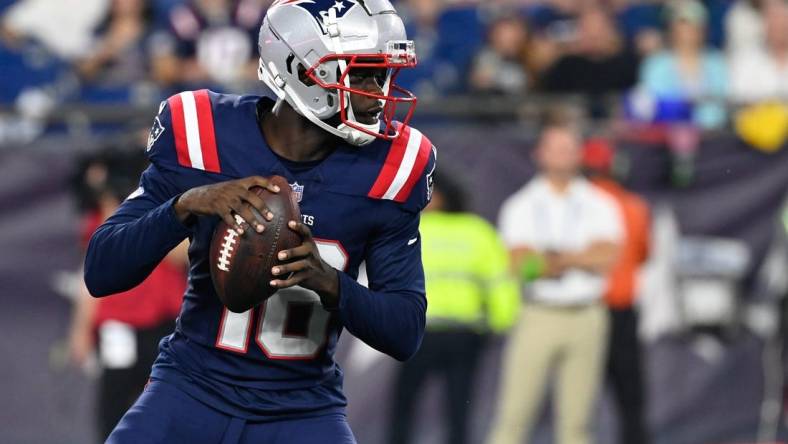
(624, 366)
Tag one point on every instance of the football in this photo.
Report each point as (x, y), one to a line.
(241, 263)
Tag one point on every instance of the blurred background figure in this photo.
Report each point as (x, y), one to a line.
(447, 35)
(123, 331)
(470, 295)
(624, 363)
(209, 42)
(759, 71)
(595, 61)
(119, 53)
(499, 67)
(53, 24)
(564, 236)
(689, 80)
(744, 29)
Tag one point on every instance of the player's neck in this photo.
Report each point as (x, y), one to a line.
(295, 138)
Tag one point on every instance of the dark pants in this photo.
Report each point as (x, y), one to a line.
(119, 388)
(453, 356)
(626, 375)
(165, 414)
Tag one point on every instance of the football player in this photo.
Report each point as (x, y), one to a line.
(268, 375)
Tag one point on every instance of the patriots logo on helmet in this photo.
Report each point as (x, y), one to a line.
(320, 8)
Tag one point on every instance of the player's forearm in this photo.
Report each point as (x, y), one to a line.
(390, 322)
(125, 249)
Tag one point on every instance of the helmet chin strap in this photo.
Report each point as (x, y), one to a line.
(360, 138)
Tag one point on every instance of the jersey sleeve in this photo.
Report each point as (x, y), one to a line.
(126, 248)
(389, 315)
(161, 139)
(406, 174)
(421, 195)
(183, 134)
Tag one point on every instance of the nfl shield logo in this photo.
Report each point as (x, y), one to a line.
(298, 191)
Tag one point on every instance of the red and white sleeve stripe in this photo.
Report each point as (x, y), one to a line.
(192, 124)
(403, 167)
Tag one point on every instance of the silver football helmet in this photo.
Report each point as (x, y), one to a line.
(308, 47)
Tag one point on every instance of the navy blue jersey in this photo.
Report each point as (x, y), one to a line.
(362, 205)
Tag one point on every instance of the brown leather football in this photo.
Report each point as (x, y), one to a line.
(241, 264)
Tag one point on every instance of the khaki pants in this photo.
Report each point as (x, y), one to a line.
(571, 342)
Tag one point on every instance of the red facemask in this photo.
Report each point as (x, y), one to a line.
(400, 55)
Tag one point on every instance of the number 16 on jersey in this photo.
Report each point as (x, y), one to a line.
(291, 324)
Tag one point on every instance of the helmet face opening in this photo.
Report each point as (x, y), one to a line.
(400, 55)
(310, 50)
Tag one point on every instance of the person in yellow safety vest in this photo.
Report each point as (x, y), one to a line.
(469, 295)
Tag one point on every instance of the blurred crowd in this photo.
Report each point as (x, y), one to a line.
(674, 61)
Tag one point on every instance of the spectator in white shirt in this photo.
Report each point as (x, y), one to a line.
(54, 24)
(744, 25)
(761, 72)
(563, 235)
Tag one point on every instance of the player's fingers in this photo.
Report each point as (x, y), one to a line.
(242, 215)
(251, 219)
(291, 267)
(229, 219)
(300, 228)
(300, 251)
(260, 181)
(258, 206)
(294, 279)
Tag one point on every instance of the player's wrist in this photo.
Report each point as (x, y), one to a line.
(329, 295)
(181, 209)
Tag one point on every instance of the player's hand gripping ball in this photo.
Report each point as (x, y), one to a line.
(241, 263)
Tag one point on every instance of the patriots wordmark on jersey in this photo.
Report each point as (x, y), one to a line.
(362, 205)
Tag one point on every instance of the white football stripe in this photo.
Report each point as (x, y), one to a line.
(192, 129)
(411, 152)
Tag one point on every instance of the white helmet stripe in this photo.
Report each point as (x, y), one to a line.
(336, 47)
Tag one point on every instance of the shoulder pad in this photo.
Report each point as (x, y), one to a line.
(191, 142)
(406, 174)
